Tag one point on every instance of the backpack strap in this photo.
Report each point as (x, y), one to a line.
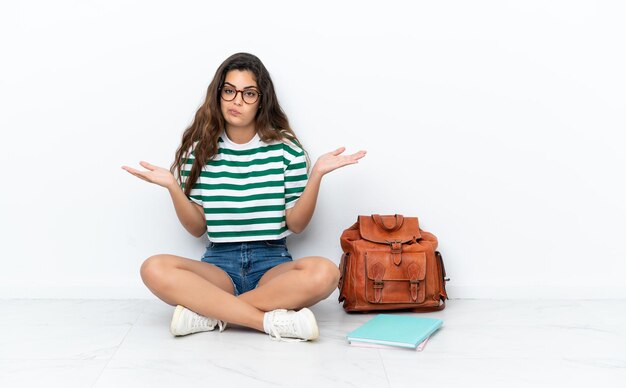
(378, 271)
(414, 283)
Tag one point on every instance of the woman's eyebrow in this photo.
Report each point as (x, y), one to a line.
(245, 87)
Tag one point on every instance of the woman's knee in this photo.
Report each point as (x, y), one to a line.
(323, 275)
(153, 270)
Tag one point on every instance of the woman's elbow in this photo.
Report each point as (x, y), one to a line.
(298, 228)
(294, 222)
(196, 231)
(295, 228)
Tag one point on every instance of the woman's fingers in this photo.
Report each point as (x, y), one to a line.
(147, 165)
(142, 177)
(348, 161)
(137, 173)
(334, 160)
(129, 169)
(153, 174)
(354, 158)
(360, 154)
(338, 151)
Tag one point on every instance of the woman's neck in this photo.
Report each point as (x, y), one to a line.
(240, 135)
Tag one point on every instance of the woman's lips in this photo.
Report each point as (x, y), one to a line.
(234, 112)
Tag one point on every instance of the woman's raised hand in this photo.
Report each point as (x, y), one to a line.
(157, 175)
(333, 160)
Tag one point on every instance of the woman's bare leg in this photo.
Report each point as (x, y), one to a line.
(201, 287)
(294, 285)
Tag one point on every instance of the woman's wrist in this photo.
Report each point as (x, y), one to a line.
(173, 187)
(315, 174)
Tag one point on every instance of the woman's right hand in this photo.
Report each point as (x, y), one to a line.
(157, 175)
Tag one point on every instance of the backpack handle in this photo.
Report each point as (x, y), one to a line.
(378, 220)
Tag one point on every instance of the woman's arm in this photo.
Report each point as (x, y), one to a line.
(190, 215)
(300, 214)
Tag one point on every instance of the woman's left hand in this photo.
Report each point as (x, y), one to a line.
(333, 160)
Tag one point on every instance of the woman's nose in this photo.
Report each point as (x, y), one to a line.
(238, 98)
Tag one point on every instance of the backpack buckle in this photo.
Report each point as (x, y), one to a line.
(396, 246)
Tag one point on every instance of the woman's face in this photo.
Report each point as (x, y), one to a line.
(241, 88)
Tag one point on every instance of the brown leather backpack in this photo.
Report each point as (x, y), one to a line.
(390, 263)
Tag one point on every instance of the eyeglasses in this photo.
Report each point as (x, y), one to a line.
(229, 93)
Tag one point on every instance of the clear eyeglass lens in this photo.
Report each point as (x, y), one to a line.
(228, 93)
(250, 96)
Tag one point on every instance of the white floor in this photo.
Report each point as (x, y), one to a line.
(126, 343)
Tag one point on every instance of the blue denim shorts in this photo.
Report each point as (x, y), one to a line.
(246, 262)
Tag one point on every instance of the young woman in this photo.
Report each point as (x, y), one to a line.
(241, 176)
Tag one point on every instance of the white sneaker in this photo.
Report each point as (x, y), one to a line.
(297, 325)
(185, 321)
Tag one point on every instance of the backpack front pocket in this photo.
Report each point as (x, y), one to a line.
(389, 280)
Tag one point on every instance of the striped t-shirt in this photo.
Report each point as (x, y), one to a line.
(246, 188)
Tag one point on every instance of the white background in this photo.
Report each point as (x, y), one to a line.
(499, 123)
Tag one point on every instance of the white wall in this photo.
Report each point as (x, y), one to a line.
(500, 124)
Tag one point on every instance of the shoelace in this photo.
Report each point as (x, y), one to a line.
(283, 324)
(200, 321)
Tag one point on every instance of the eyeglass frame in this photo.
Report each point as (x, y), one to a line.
(237, 92)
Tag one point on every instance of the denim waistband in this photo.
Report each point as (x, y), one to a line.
(280, 241)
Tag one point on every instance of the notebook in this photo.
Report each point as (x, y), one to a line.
(360, 344)
(395, 330)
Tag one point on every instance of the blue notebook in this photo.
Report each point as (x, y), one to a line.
(395, 330)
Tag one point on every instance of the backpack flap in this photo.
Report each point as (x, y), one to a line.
(388, 229)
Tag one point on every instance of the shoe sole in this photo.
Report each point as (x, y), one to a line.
(179, 310)
(311, 318)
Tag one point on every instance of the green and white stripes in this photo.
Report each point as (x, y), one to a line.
(246, 188)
